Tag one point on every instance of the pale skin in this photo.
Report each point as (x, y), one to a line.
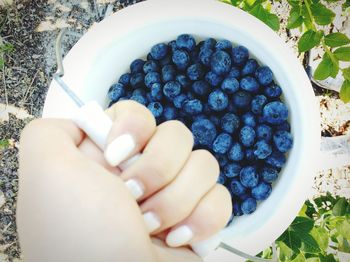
(73, 206)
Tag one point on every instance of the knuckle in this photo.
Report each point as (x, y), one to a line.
(204, 156)
(179, 128)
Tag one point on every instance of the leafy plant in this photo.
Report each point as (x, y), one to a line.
(310, 16)
(321, 229)
(4, 49)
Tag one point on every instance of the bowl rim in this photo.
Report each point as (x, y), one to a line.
(103, 33)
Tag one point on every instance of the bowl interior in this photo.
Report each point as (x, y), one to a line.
(112, 51)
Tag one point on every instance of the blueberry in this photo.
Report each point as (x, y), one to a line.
(261, 191)
(249, 177)
(220, 62)
(140, 99)
(247, 136)
(248, 119)
(215, 120)
(137, 66)
(276, 159)
(222, 159)
(285, 126)
(249, 84)
(232, 170)
(217, 100)
(124, 79)
(249, 154)
(273, 91)
(204, 132)
(250, 67)
(156, 91)
(179, 100)
(262, 149)
(181, 59)
(156, 108)
(230, 85)
(237, 188)
(236, 152)
(208, 43)
(136, 80)
(242, 99)
(139, 91)
(223, 45)
(275, 113)
(165, 61)
(168, 73)
(264, 132)
(230, 123)
(234, 72)
(205, 56)
(222, 143)
(169, 113)
(264, 75)
(186, 41)
(195, 72)
(221, 179)
(269, 174)
(200, 87)
(171, 89)
(283, 141)
(159, 51)
(150, 98)
(150, 66)
(183, 80)
(173, 46)
(152, 78)
(248, 206)
(193, 107)
(115, 92)
(213, 79)
(237, 211)
(240, 55)
(258, 103)
(194, 55)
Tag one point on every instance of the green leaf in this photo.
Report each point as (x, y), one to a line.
(308, 243)
(321, 236)
(4, 143)
(344, 229)
(327, 67)
(270, 19)
(346, 75)
(313, 259)
(302, 224)
(291, 239)
(309, 40)
(1, 63)
(339, 208)
(285, 253)
(342, 53)
(346, 4)
(344, 245)
(295, 19)
(307, 18)
(235, 2)
(336, 39)
(322, 15)
(327, 258)
(293, 3)
(345, 91)
(299, 258)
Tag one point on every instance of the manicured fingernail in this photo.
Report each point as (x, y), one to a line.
(119, 149)
(179, 237)
(135, 188)
(129, 162)
(152, 221)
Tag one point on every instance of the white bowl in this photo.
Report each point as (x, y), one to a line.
(107, 49)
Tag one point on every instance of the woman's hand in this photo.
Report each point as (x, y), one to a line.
(74, 206)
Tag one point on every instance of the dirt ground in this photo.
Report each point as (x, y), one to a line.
(32, 27)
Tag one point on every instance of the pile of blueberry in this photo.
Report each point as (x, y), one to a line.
(227, 99)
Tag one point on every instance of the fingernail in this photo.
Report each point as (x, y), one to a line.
(152, 221)
(179, 237)
(135, 188)
(119, 149)
(124, 165)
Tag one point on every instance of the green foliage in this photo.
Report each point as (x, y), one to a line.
(321, 229)
(309, 16)
(4, 143)
(4, 49)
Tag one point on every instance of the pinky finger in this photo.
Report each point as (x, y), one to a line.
(210, 215)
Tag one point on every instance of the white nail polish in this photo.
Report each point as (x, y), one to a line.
(124, 165)
(117, 151)
(152, 221)
(135, 188)
(179, 237)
